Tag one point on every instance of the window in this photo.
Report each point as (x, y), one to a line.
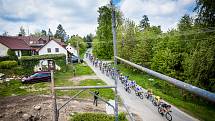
(49, 50)
(56, 49)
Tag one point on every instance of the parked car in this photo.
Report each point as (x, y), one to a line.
(42, 76)
(74, 59)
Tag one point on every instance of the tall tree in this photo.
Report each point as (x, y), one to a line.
(43, 32)
(206, 12)
(89, 40)
(144, 23)
(22, 31)
(60, 32)
(104, 34)
(185, 23)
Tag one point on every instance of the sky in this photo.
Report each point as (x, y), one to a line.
(80, 16)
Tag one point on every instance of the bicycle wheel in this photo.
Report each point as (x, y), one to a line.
(146, 95)
(160, 110)
(168, 116)
(129, 90)
(141, 96)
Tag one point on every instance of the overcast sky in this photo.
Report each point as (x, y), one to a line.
(80, 16)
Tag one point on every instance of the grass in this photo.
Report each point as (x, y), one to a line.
(199, 109)
(62, 78)
(15, 87)
(83, 69)
(96, 117)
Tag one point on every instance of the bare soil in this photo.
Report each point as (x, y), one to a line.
(77, 79)
(13, 108)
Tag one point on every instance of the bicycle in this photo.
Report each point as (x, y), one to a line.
(127, 89)
(164, 109)
(139, 94)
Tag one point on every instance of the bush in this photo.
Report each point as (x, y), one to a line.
(7, 58)
(30, 61)
(8, 64)
(97, 117)
(11, 52)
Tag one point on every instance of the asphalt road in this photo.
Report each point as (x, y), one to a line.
(142, 107)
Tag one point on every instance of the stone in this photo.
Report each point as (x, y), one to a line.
(26, 116)
(37, 107)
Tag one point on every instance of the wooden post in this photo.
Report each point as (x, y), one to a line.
(54, 103)
(78, 51)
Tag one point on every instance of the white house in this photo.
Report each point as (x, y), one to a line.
(14, 44)
(72, 50)
(53, 47)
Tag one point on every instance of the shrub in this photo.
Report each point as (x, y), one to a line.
(7, 58)
(8, 64)
(18, 71)
(97, 117)
(11, 52)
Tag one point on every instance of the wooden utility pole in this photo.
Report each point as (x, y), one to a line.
(78, 51)
(54, 104)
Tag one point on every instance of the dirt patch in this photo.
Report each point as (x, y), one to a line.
(13, 108)
(77, 79)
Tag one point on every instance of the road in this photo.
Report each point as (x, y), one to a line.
(141, 107)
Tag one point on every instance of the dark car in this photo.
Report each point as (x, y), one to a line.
(74, 59)
(42, 76)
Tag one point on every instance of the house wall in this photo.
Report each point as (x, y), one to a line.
(72, 50)
(3, 50)
(52, 45)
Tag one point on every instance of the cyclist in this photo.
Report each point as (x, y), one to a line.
(149, 93)
(133, 84)
(127, 86)
(120, 77)
(165, 107)
(157, 101)
(100, 65)
(138, 90)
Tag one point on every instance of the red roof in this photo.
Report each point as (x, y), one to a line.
(32, 40)
(14, 43)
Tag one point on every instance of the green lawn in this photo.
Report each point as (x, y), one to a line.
(62, 78)
(171, 94)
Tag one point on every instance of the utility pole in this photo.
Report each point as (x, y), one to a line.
(115, 54)
(78, 51)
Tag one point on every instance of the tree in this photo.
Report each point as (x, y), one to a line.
(89, 40)
(104, 34)
(22, 31)
(144, 23)
(206, 12)
(60, 32)
(50, 33)
(5, 33)
(185, 23)
(43, 33)
(74, 40)
(103, 45)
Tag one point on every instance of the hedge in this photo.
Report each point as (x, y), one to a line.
(7, 58)
(30, 61)
(97, 117)
(16, 71)
(8, 64)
